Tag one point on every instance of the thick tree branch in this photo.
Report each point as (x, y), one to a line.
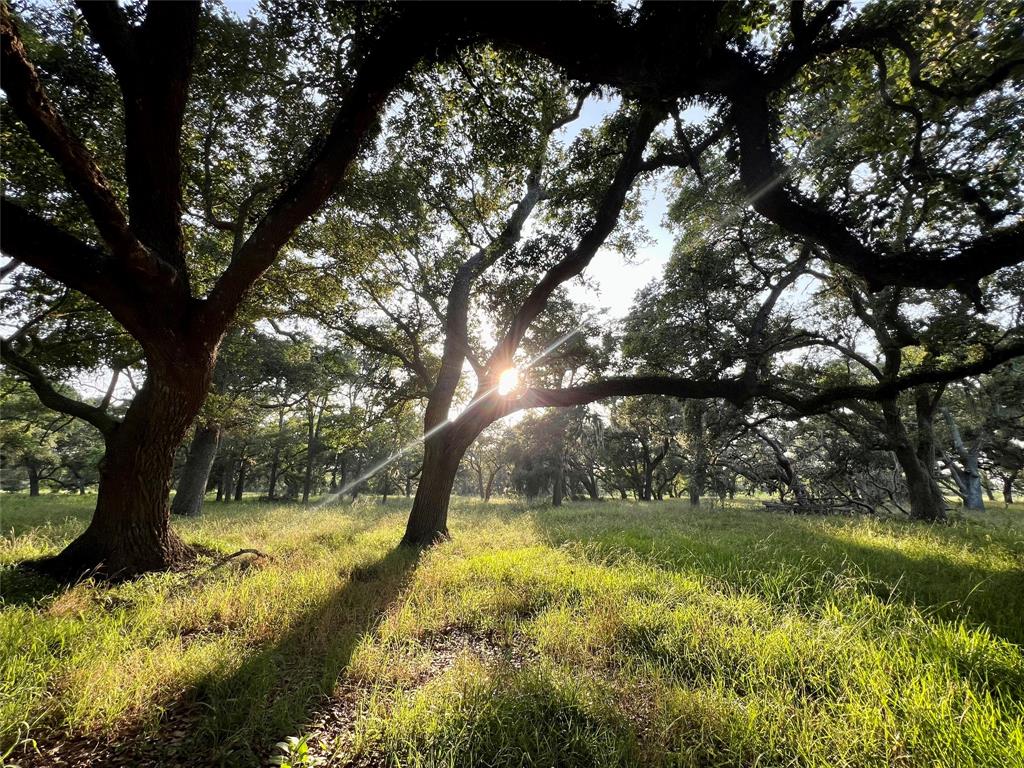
(153, 64)
(29, 102)
(738, 392)
(605, 219)
(32, 240)
(392, 56)
(770, 195)
(50, 397)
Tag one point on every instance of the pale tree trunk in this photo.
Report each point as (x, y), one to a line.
(188, 500)
(968, 476)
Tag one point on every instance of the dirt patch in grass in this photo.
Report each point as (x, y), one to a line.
(331, 732)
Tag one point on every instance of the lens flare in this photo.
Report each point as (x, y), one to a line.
(508, 381)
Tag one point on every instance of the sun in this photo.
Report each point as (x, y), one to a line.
(508, 381)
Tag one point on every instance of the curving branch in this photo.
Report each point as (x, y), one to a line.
(29, 101)
(153, 64)
(393, 55)
(768, 193)
(739, 393)
(51, 398)
(605, 219)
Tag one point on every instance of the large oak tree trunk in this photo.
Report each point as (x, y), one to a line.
(428, 520)
(188, 500)
(926, 500)
(130, 531)
(694, 490)
(924, 494)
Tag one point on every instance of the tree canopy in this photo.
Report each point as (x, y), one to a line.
(297, 235)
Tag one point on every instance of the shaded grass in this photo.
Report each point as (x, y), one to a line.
(601, 634)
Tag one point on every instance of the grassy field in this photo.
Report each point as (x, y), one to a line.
(595, 634)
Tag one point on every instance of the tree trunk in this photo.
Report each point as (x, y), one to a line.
(1008, 488)
(428, 520)
(130, 530)
(307, 476)
(489, 487)
(694, 412)
(226, 476)
(240, 482)
(275, 461)
(924, 494)
(974, 498)
(33, 480)
(557, 487)
(647, 486)
(480, 480)
(969, 479)
(188, 501)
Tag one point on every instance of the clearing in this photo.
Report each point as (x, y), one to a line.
(609, 633)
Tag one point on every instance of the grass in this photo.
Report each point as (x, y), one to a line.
(594, 634)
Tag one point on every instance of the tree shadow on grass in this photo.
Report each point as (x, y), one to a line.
(21, 586)
(233, 718)
(783, 566)
(274, 692)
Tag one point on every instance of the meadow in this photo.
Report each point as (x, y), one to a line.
(595, 634)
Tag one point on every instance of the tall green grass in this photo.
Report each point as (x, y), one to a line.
(594, 634)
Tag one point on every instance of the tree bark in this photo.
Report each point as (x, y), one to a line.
(428, 520)
(694, 493)
(33, 480)
(694, 412)
(188, 501)
(240, 482)
(925, 496)
(1008, 488)
(226, 476)
(969, 478)
(489, 487)
(130, 530)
